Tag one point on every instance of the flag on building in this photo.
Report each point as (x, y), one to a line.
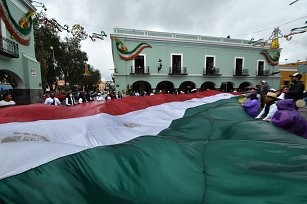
(187, 148)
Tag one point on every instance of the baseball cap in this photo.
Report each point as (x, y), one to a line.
(298, 75)
(272, 90)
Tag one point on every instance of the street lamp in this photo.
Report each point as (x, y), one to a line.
(56, 77)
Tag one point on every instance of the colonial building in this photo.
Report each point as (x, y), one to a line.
(17, 54)
(148, 60)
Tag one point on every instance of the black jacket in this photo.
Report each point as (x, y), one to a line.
(296, 91)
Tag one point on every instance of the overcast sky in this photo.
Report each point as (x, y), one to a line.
(241, 19)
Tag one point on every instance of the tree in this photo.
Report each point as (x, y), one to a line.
(45, 38)
(90, 82)
(71, 60)
(61, 58)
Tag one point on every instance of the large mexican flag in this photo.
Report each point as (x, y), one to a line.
(194, 148)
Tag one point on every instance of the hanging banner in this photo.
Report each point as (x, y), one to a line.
(274, 48)
(126, 55)
(20, 31)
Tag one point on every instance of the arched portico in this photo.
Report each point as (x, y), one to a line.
(244, 85)
(227, 86)
(208, 85)
(187, 86)
(165, 87)
(141, 86)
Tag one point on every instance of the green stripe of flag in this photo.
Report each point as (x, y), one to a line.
(216, 153)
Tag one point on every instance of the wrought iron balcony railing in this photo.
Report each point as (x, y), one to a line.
(178, 71)
(263, 72)
(9, 48)
(212, 71)
(140, 70)
(243, 72)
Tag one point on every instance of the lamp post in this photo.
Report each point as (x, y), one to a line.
(56, 76)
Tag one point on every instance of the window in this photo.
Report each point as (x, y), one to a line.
(176, 63)
(210, 64)
(239, 65)
(139, 64)
(260, 68)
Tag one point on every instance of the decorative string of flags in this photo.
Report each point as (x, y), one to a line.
(53, 23)
(95, 36)
(296, 31)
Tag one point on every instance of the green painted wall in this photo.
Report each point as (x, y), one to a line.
(193, 58)
(25, 69)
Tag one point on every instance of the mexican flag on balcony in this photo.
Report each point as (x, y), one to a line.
(193, 148)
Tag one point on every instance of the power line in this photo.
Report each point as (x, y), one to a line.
(79, 22)
(266, 29)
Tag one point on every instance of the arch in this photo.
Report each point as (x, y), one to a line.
(208, 85)
(141, 86)
(227, 86)
(12, 78)
(187, 86)
(244, 85)
(165, 87)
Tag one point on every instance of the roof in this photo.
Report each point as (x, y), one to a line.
(179, 37)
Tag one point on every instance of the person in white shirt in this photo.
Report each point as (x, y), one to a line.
(283, 93)
(52, 100)
(269, 108)
(99, 97)
(7, 100)
(70, 101)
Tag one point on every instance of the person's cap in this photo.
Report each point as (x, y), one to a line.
(298, 75)
(99, 94)
(272, 90)
(263, 81)
(272, 95)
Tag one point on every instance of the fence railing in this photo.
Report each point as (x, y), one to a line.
(212, 71)
(178, 71)
(263, 72)
(243, 72)
(140, 70)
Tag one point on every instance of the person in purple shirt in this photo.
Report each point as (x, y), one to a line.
(252, 106)
(288, 118)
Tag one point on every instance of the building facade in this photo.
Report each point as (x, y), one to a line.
(172, 62)
(17, 53)
(288, 69)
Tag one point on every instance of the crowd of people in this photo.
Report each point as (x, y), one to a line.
(278, 107)
(82, 97)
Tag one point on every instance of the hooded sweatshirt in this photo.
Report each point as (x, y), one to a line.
(288, 118)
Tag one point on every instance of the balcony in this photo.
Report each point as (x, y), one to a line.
(212, 71)
(241, 72)
(263, 73)
(8, 48)
(140, 70)
(177, 71)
